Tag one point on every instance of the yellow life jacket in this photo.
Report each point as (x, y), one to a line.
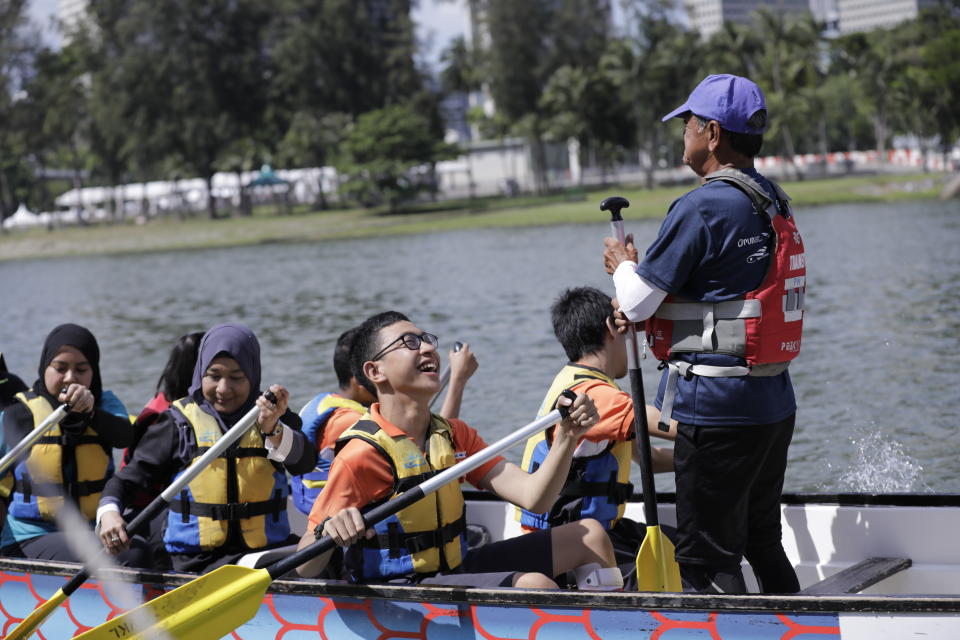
(598, 484)
(59, 465)
(242, 488)
(427, 536)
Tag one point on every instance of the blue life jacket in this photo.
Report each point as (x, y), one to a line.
(315, 415)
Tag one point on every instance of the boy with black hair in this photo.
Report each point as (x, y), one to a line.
(598, 483)
(328, 415)
(399, 442)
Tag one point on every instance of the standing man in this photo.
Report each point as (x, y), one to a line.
(722, 289)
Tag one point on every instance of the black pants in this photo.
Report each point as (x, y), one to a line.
(729, 481)
(53, 546)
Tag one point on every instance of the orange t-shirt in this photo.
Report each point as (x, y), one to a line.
(361, 475)
(615, 408)
(339, 421)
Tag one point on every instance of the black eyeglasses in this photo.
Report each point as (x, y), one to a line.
(411, 341)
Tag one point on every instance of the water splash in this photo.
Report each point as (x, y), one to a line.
(881, 465)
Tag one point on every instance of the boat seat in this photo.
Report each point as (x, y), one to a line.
(860, 576)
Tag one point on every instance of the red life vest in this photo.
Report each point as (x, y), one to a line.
(764, 326)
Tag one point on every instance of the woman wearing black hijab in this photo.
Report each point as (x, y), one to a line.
(73, 460)
(238, 504)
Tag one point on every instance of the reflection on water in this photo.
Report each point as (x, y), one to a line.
(882, 342)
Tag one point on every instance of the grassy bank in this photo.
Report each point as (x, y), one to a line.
(575, 207)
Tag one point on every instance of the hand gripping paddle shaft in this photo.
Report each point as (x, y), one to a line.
(657, 568)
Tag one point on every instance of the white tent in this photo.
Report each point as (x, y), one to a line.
(23, 218)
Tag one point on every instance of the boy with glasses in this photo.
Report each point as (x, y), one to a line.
(398, 442)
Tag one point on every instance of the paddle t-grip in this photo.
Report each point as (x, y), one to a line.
(457, 346)
(565, 409)
(270, 396)
(614, 204)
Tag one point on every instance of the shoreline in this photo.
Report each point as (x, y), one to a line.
(579, 207)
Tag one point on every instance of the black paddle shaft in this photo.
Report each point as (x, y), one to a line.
(390, 507)
(614, 204)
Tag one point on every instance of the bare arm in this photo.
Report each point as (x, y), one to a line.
(538, 491)
(463, 364)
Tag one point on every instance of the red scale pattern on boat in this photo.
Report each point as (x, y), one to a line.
(664, 622)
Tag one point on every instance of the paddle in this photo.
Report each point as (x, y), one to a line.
(215, 604)
(657, 568)
(31, 438)
(445, 375)
(38, 615)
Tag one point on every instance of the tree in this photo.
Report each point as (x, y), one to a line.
(334, 60)
(589, 106)
(385, 154)
(17, 49)
(196, 76)
(656, 66)
(868, 60)
(55, 117)
(528, 42)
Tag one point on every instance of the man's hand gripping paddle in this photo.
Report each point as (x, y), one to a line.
(36, 618)
(657, 568)
(215, 604)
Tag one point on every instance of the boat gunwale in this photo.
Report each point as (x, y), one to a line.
(543, 598)
(829, 499)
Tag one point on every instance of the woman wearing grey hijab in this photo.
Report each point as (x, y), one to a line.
(238, 504)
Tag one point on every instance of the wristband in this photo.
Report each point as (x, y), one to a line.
(277, 428)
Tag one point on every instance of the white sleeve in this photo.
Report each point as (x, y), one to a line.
(102, 509)
(282, 451)
(638, 298)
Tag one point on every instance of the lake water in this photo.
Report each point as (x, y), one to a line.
(877, 382)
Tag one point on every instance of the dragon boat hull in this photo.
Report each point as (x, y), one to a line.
(871, 567)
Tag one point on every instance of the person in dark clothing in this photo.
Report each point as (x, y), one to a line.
(237, 504)
(174, 383)
(73, 461)
(10, 385)
(721, 289)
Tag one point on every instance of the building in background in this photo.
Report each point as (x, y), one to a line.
(837, 16)
(708, 16)
(849, 16)
(69, 15)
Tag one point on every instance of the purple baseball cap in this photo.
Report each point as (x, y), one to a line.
(730, 100)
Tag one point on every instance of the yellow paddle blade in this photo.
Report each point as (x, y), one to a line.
(26, 628)
(657, 568)
(209, 607)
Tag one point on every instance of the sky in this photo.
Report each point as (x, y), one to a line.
(437, 22)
